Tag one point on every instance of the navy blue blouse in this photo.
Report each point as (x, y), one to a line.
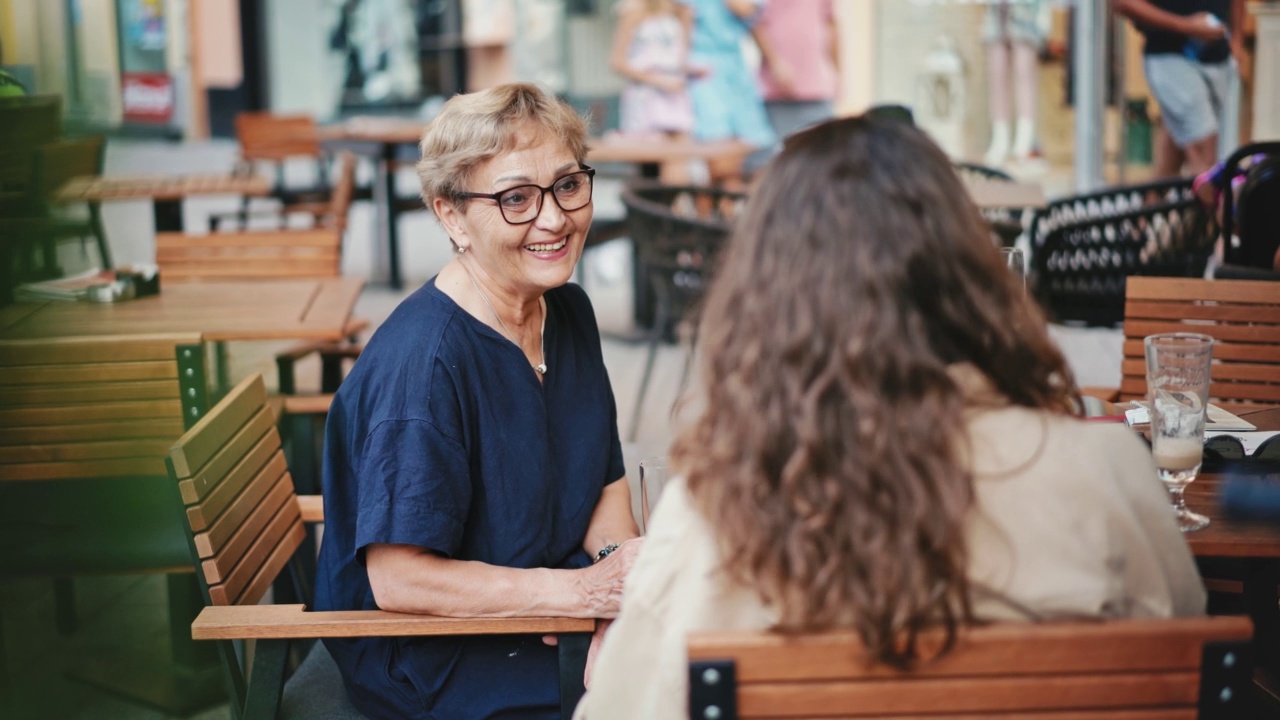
(442, 438)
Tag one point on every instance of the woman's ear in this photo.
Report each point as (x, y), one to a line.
(451, 218)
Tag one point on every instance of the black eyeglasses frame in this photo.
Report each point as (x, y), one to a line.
(542, 193)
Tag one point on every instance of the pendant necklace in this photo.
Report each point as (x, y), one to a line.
(541, 367)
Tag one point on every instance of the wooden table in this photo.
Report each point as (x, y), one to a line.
(166, 193)
(247, 310)
(389, 140)
(1255, 545)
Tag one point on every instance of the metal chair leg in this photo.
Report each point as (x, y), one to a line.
(656, 334)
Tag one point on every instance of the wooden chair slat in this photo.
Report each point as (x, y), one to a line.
(74, 350)
(219, 529)
(14, 397)
(197, 487)
(248, 272)
(270, 553)
(310, 238)
(71, 452)
(1132, 387)
(1137, 367)
(1255, 314)
(205, 439)
(226, 552)
(224, 260)
(998, 649)
(1107, 714)
(226, 490)
(294, 621)
(148, 466)
(1102, 693)
(88, 432)
(1179, 289)
(97, 412)
(89, 373)
(1243, 352)
(1138, 669)
(1237, 333)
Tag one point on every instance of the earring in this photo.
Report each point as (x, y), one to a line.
(461, 249)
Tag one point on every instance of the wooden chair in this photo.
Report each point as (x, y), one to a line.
(1118, 670)
(259, 254)
(274, 140)
(246, 528)
(1242, 316)
(84, 427)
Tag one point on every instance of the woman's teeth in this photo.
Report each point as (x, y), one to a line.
(545, 247)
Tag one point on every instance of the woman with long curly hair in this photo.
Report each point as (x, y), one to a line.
(886, 440)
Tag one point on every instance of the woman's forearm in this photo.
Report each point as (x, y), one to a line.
(612, 521)
(410, 579)
(1143, 12)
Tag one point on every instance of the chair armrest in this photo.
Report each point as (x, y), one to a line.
(243, 622)
(311, 507)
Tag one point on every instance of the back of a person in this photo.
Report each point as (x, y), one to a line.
(1258, 215)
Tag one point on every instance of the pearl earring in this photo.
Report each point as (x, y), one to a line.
(462, 249)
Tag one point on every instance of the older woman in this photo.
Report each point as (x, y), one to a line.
(472, 463)
(884, 443)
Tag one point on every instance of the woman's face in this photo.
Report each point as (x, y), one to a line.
(534, 257)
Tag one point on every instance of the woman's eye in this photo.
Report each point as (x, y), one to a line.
(568, 185)
(516, 198)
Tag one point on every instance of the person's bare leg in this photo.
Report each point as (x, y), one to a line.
(1202, 154)
(1169, 157)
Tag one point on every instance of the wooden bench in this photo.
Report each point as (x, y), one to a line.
(246, 528)
(1117, 670)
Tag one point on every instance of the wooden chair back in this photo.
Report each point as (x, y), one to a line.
(85, 424)
(275, 138)
(1242, 316)
(1118, 670)
(95, 407)
(259, 254)
(58, 162)
(240, 503)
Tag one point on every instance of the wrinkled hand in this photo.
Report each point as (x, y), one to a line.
(603, 581)
(597, 639)
(1201, 27)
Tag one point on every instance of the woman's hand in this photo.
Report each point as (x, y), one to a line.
(602, 583)
(1204, 26)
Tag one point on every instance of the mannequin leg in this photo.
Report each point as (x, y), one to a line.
(1025, 67)
(998, 101)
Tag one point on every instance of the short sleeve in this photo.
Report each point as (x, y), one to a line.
(415, 488)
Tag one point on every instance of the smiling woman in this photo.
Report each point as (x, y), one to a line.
(472, 462)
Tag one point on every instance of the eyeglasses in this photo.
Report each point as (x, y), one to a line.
(521, 204)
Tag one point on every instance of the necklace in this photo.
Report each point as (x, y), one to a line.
(542, 333)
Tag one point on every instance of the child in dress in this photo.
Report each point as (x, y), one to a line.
(651, 50)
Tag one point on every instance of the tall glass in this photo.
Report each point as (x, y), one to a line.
(1178, 393)
(1016, 261)
(653, 476)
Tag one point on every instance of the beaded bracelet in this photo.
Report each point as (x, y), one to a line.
(604, 551)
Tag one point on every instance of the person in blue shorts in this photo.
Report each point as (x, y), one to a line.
(1187, 59)
(472, 466)
(727, 104)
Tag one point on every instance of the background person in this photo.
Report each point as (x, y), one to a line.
(1187, 60)
(726, 100)
(884, 442)
(472, 464)
(800, 59)
(651, 51)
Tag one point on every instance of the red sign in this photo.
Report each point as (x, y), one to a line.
(148, 97)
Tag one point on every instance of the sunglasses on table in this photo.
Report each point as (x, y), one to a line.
(523, 203)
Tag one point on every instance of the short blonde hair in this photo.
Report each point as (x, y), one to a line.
(475, 127)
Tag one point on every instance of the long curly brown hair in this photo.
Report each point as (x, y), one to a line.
(826, 456)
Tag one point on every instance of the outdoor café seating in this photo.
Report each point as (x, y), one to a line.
(1084, 247)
